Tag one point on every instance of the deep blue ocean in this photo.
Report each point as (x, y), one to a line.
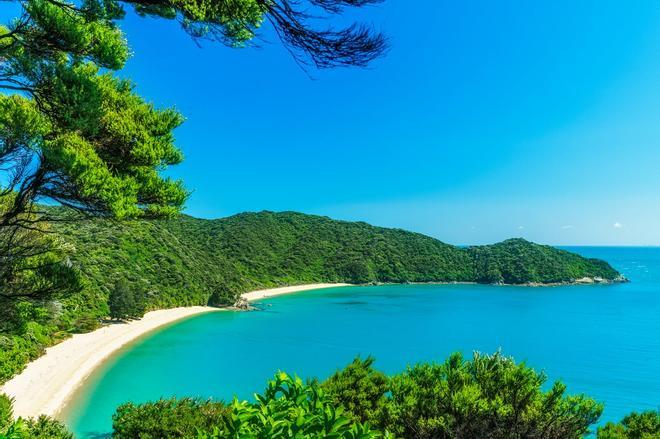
(602, 340)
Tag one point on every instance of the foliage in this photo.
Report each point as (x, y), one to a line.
(516, 261)
(33, 264)
(26, 335)
(287, 409)
(645, 425)
(168, 418)
(360, 389)
(39, 428)
(124, 302)
(73, 134)
(490, 396)
(236, 22)
(6, 414)
(46, 428)
(186, 261)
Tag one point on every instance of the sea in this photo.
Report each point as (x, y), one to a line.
(601, 340)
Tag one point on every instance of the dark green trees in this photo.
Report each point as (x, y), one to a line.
(360, 389)
(6, 414)
(287, 409)
(74, 134)
(39, 428)
(125, 302)
(487, 397)
(168, 418)
(645, 425)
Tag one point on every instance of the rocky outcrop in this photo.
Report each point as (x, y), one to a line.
(242, 304)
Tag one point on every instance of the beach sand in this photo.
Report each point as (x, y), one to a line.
(263, 294)
(47, 383)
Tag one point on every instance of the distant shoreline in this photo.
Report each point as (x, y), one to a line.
(576, 282)
(47, 383)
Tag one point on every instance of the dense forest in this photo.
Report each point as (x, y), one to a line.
(188, 261)
(487, 396)
(193, 261)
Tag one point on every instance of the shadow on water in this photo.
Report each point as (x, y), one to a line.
(350, 302)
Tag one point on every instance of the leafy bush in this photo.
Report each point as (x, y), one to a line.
(360, 389)
(124, 302)
(168, 418)
(644, 425)
(6, 414)
(287, 409)
(40, 428)
(46, 428)
(490, 396)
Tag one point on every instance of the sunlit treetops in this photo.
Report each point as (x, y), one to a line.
(72, 132)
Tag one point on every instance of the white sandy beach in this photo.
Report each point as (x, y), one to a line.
(48, 382)
(263, 294)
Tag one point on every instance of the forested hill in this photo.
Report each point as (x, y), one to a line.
(189, 261)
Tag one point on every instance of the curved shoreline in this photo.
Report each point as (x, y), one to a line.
(47, 383)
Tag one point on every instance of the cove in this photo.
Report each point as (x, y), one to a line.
(601, 340)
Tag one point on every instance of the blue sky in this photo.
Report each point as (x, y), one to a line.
(486, 120)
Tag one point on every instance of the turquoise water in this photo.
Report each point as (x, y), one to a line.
(600, 340)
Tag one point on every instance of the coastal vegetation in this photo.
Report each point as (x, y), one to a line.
(287, 408)
(128, 267)
(75, 134)
(40, 428)
(645, 425)
(485, 396)
(124, 302)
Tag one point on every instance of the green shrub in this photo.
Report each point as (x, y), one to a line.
(168, 418)
(360, 389)
(6, 414)
(40, 428)
(287, 409)
(490, 396)
(644, 425)
(46, 428)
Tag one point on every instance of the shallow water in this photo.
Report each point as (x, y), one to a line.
(600, 340)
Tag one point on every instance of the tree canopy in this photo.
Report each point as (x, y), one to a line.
(645, 425)
(74, 134)
(186, 261)
(489, 396)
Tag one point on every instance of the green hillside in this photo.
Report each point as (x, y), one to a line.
(188, 261)
(193, 261)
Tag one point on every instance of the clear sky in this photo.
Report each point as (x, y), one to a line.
(486, 120)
